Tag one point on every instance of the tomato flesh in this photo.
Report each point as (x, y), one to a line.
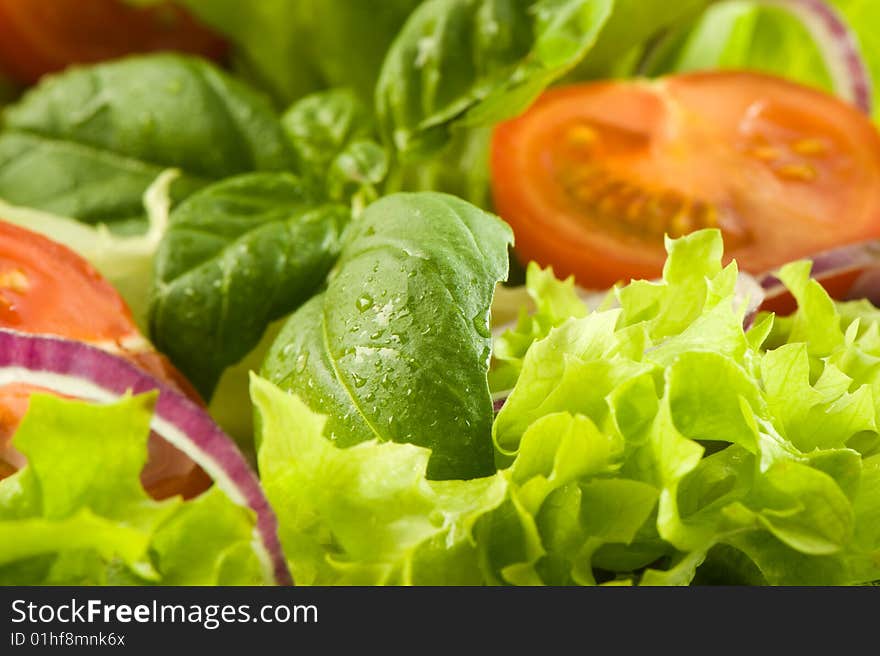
(593, 176)
(46, 288)
(39, 37)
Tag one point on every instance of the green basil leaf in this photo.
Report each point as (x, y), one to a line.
(397, 348)
(357, 171)
(87, 143)
(476, 62)
(332, 135)
(238, 255)
(320, 125)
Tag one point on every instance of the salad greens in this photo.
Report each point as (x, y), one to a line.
(294, 216)
(655, 443)
(87, 143)
(333, 135)
(84, 146)
(476, 62)
(386, 522)
(79, 515)
(294, 48)
(397, 347)
(237, 255)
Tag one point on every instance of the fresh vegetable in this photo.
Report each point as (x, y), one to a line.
(397, 347)
(472, 61)
(77, 515)
(657, 443)
(372, 501)
(238, 255)
(81, 371)
(45, 288)
(293, 48)
(231, 244)
(839, 48)
(43, 37)
(420, 417)
(782, 170)
(126, 261)
(88, 143)
(333, 135)
(848, 273)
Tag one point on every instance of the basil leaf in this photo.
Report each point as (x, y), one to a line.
(332, 135)
(238, 255)
(461, 169)
(476, 62)
(397, 348)
(357, 171)
(320, 124)
(87, 143)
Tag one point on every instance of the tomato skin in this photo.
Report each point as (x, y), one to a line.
(46, 288)
(40, 36)
(593, 175)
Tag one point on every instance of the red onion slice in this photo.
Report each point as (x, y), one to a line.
(861, 260)
(838, 45)
(82, 371)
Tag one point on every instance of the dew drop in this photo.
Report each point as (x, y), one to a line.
(481, 325)
(364, 303)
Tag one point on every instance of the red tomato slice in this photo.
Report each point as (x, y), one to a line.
(592, 176)
(47, 288)
(38, 37)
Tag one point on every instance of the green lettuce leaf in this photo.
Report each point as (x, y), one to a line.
(79, 516)
(366, 514)
(656, 443)
(554, 302)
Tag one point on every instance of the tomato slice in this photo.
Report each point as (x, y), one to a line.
(593, 176)
(46, 288)
(38, 37)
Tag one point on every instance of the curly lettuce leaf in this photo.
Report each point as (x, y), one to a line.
(366, 514)
(79, 515)
(554, 302)
(754, 453)
(656, 443)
